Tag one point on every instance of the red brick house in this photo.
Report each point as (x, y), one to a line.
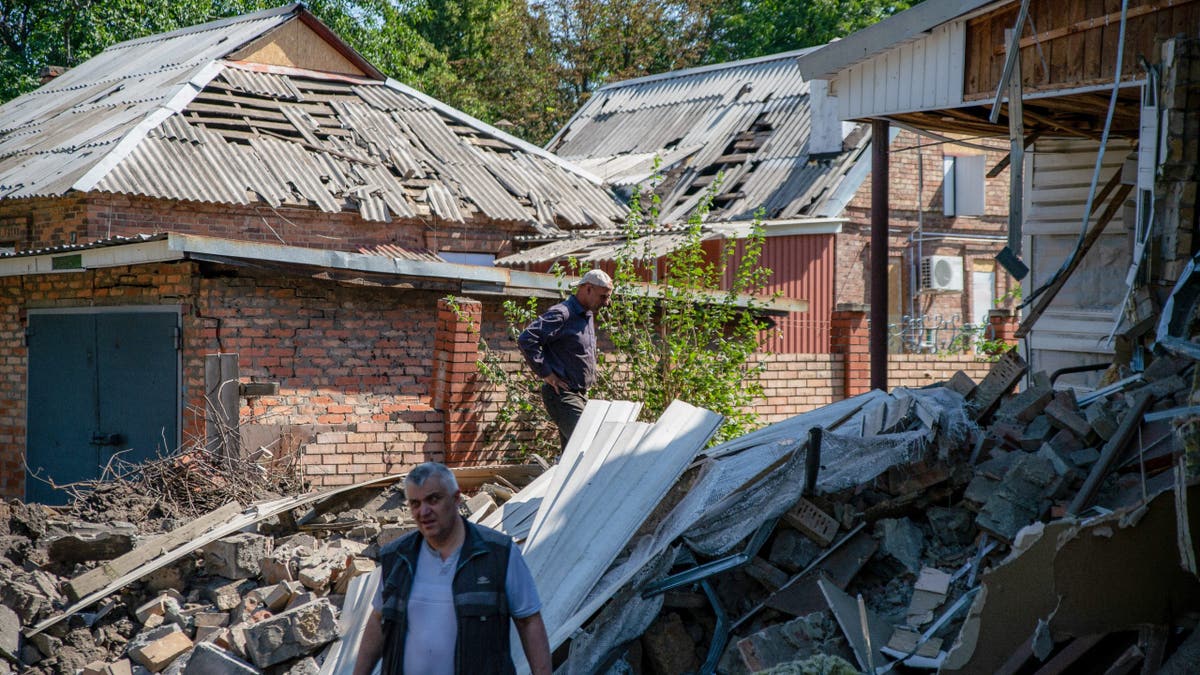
(769, 132)
(250, 187)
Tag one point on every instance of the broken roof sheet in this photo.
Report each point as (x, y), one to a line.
(750, 120)
(167, 117)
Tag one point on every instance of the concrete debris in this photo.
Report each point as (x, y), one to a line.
(967, 527)
(243, 591)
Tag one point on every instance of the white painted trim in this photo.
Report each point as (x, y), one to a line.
(782, 228)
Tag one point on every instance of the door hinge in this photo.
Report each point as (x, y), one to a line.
(28, 334)
(178, 335)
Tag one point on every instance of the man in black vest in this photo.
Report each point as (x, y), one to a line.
(447, 592)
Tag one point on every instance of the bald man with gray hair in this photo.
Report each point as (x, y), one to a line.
(448, 591)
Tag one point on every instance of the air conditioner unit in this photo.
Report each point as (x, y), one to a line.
(942, 273)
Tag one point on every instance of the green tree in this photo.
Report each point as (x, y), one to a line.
(748, 28)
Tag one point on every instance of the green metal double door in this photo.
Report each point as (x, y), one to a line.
(100, 382)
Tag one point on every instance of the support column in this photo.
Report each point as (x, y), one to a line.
(453, 390)
(880, 137)
(1002, 325)
(850, 337)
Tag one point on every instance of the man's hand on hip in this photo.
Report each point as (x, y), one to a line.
(556, 383)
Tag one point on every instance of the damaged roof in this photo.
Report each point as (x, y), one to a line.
(202, 114)
(751, 121)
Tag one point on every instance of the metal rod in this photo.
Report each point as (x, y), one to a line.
(720, 631)
(879, 253)
(812, 461)
(708, 569)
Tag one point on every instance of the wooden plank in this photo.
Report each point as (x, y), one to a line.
(97, 578)
(1093, 234)
(1112, 449)
(1068, 655)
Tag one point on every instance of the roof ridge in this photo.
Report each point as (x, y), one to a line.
(211, 25)
(712, 67)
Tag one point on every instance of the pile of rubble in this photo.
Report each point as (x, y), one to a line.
(237, 590)
(961, 528)
(1005, 526)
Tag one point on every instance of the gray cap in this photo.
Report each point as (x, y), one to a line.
(596, 277)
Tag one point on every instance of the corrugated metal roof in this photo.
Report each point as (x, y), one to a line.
(747, 120)
(166, 117)
(394, 251)
(604, 246)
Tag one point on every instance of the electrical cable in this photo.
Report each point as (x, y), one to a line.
(1087, 211)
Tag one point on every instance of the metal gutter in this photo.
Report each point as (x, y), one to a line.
(175, 247)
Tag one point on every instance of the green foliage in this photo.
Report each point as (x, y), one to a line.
(692, 336)
(749, 28)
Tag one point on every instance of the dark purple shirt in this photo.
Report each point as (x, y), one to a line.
(562, 341)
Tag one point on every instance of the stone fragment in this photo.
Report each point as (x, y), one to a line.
(792, 551)
(1036, 433)
(391, 532)
(951, 525)
(1026, 405)
(46, 643)
(209, 624)
(237, 556)
(316, 577)
(305, 666)
(1102, 421)
(902, 540)
(278, 568)
(209, 659)
(226, 594)
(10, 630)
(295, 632)
(88, 541)
(356, 567)
(1063, 413)
(799, 638)
(667, 646)
(1085, 457)
(120, 667)
(156, 649)
(1017, 500)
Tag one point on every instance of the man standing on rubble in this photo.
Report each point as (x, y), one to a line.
(560, 346)
(447, 592)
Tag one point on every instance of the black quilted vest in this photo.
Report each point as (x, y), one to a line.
(480, 603)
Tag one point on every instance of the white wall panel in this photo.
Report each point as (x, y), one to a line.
(919, 74)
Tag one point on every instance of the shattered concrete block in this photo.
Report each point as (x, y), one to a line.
(393, 531)
(226, 594)
(209, 624)
(237, 556)
(47, 644)
(961, 383)
(275, 597)
(903, 540)
(1065, 442)
(300, 599)
(88, 541)
(771, 577)
(951, 525)
(1036, 433)
(1085, 457)
(293, 633)
(209, 659)
(278, 568)
(797, 639)
(668, 647)
(1018, 499)
(305, 666)
(1027, 405)
(158, 606)
(156, 649)
(792, 551)
(1102, 421)
(10, 630)
(316, 577)
(1063, 413)
(356, 567)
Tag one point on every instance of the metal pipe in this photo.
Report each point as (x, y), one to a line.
(879, 253)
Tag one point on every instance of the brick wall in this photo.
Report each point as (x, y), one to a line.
(916, 201)
(53, 221)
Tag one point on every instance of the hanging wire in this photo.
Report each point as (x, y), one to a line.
(1087, 211)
